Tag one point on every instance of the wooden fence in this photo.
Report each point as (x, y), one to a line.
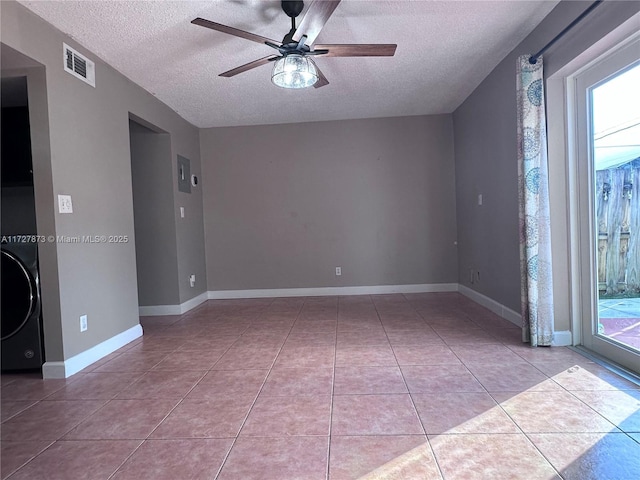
(618, 217)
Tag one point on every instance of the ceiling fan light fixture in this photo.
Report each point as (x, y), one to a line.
(294, 71)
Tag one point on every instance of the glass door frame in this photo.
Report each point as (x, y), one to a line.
(580, 85)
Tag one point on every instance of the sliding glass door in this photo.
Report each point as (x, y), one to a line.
(608, 123)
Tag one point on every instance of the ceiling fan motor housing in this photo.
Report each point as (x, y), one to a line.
(292, 8)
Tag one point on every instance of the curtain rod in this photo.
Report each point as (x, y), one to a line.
(534, 58)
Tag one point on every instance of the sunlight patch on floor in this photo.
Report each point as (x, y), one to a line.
(472, 448)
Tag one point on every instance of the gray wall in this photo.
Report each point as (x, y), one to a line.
(485, 155)
(90, 160)
(286, 204)
(153, 211)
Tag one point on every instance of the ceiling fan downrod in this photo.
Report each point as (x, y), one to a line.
(292, 8)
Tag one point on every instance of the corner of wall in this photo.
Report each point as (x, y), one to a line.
(82, 360)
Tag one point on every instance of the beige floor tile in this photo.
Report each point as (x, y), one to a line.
(278, 458)
(195, 459)
(462, 413)
(229, 383)
(549, 412)
(440, 378)
(10, 408)
(48, 420)
(298, 381)
(368, 380)
(65, 460)
(219, 417)
(620, 407)
(16, 454)
(379, 355)
(425, 355)
(490, 456)
(586, 376)
(517, 377)
(591, 456)
(390, 457)
(374, 415)
(123, 420)
(288, 416)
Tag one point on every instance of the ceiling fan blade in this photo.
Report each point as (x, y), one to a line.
(248, 66)
(362, 50)
(232, 31)
(315, 18)
(322, 80)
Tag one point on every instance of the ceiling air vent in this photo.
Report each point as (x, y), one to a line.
(79, 66)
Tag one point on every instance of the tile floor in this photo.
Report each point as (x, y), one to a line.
(424, 386)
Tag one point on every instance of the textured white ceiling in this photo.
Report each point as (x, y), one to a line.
(445, 49)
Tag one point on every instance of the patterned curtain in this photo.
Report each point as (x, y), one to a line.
(535, 234)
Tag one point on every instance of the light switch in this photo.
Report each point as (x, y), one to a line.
(64, 204)
(479, 199)
(181, 212)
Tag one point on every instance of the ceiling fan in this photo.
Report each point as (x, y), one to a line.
(294, 67)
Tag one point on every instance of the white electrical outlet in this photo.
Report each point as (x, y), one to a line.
(64, 204)
(83, 323)
(192, 280)
(338, 271)
(479, 199)
(181, 212)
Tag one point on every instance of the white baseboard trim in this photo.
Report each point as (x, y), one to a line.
(193, 303)
(328, 291)
(497, 308)
(78, 362)
(160, 310)
(562, 338)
